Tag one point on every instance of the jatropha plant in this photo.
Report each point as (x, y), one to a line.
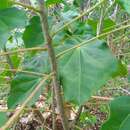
(68, 46)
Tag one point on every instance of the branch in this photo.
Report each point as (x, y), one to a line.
(100, 23)
(54, 127)
(23, 71)
(25, 109)
(116, 25)
(78, 17)
(102, 98)
(24, 50)
(109, 7)
(48, 39)
(9, 61)
(90, 40)
(26, 6)
(20, 111)
(45, 48)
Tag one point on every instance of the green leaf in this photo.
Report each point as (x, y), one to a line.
(93, 24)
(125, 124)
(125, 4)
(69, 15)
(119, 111)
(5, 4)
(3, 118)
(23, 84)
(10, 19)
(15, 60)
(33, 35)
(107, 25)
(122, 69)
(77, 3)
(85, 69)
(51, 2)
(21, 87)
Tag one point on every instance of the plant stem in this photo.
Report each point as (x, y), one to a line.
(45, 48)
(24, 50)
(78, 17)
(30, 109)
(100, 24)
(20, 111)
(26, 6)
(23, 71)
(54, 127)
(112, 27)
(39, 115)
(102, 98)
(92, 39)
(77, 115)
(9, 61)
(48, 39)
(109, 7)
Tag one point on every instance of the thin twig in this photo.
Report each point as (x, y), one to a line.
(53, 109)
(39, 115)
(77, 115)
(23, 71)
(45, 48)
(80, 16)
(100, 24)
(114, 26)
(25, 109)
(109, 7)
(26, 6)
(30, 109)
(78, 127)
(117, 39)
(24, 50)
(9, 60)
(92, 39)
(102, 98)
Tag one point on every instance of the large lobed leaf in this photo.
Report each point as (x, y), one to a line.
(119, 115)
(10, 19)
(82, 72)
(85, 69)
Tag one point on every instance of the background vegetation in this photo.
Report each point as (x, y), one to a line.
(64, 65)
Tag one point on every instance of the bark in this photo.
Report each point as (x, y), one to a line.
(48, 39)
